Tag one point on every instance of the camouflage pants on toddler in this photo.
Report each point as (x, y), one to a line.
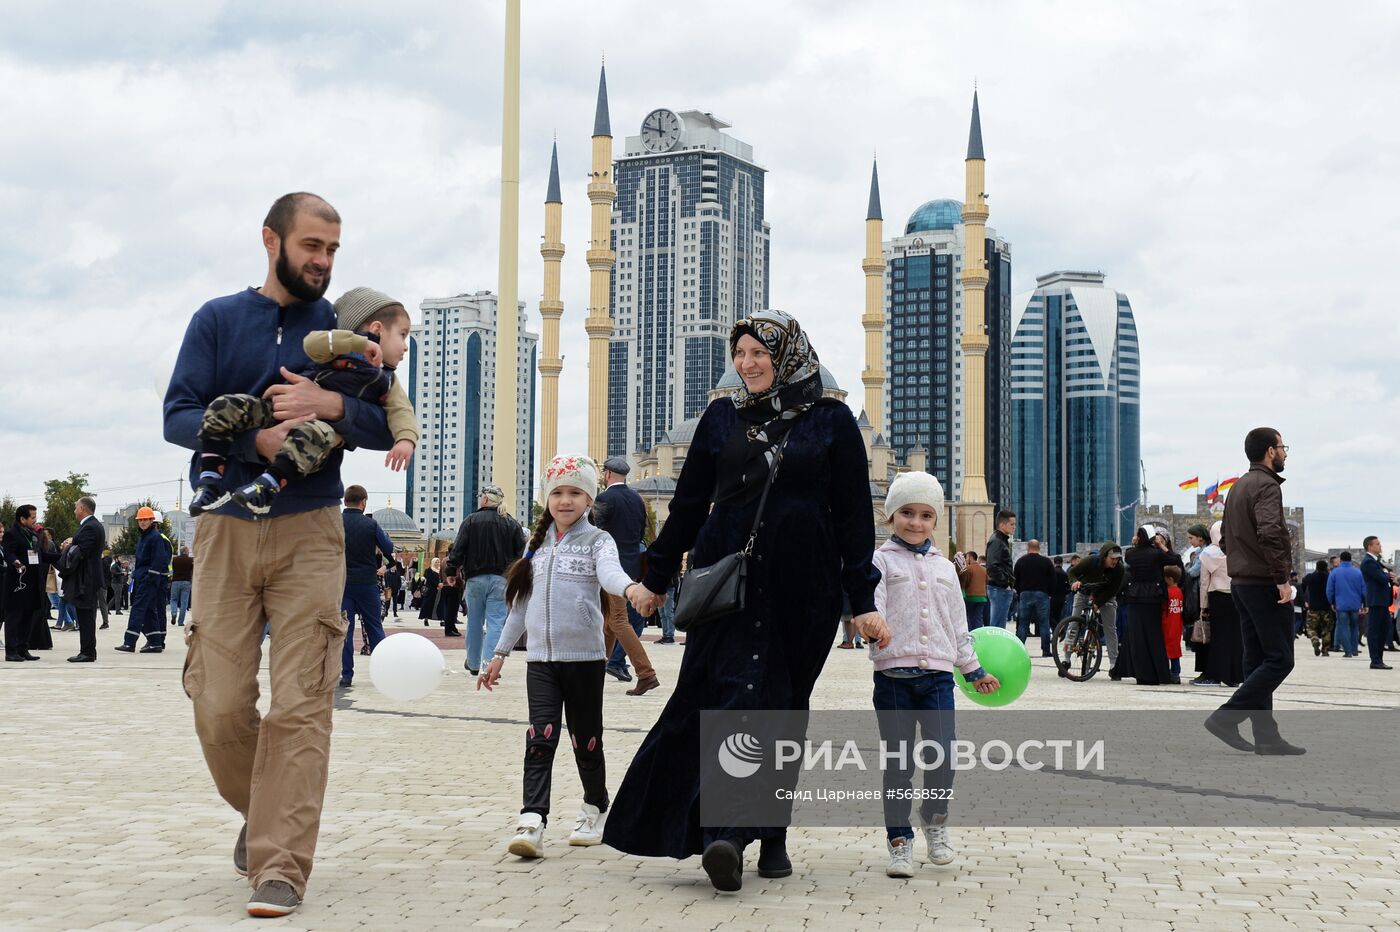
(302, 453)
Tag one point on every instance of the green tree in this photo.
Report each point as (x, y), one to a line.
(536, 512)
(60, 495)
(7, 511)
(125, 543)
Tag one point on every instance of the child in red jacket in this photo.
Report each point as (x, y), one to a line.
(1171, 620)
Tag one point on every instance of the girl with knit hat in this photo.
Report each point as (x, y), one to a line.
(923, 637)
(554, 595)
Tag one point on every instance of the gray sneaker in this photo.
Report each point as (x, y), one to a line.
(940, 845)
(273, 898)
(901, 858)
(240, 852)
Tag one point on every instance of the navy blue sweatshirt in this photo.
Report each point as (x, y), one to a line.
(238, 344)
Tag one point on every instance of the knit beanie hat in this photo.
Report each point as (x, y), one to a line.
(566, 469)
(914, 488)
(359, 304)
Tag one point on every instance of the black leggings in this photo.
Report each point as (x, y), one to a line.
(576, 689)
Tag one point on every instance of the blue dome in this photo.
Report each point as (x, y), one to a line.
(941, 214)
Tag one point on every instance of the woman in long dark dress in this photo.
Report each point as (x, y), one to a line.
(815, 542)
(1143, 653)
(431, 578)
(1225, 658)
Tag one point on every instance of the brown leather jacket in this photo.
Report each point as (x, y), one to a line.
(1253, 533)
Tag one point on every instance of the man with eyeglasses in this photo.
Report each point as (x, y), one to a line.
(1259, 557)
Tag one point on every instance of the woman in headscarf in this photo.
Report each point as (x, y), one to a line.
(431, 578)
(1143, 653)
(814, 544)
(1225, 654)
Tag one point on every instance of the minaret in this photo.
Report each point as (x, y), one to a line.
(505, 463)
(972, 533)
(874, 318)
(601, 194)
(551, 309)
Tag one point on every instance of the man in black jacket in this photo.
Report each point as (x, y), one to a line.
(85, 584)
(487, 543)
(365, 540)
(1034, 578)
(1258, 557)
(26, 569)
(998, 562)
(622, 513)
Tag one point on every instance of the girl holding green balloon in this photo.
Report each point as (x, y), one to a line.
(921, 641)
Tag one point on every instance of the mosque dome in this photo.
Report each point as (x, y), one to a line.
(729, 382)
(392, 520)
(684, 432)
(941, 214)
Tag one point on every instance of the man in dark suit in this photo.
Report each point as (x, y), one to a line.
(1376, 611)
(85, 584)
(622, 513)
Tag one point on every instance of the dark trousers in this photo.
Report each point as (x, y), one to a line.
(902, 705)
(1035, 607)
(976, 614)
(360, 599)
(575, 691)
(1377, 631)
(618, 658)
(1266, 628)
(149, 600)
(19, 618)
(87, 631)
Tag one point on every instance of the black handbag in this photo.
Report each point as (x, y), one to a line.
(718, 590)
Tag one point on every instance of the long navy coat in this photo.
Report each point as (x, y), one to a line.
(816, 542)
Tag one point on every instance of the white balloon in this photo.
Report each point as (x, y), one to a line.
(406, 666)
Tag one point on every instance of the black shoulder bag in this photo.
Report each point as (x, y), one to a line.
(710, 592)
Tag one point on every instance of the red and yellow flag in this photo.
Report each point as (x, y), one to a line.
(1193, 483)
(1226, 484)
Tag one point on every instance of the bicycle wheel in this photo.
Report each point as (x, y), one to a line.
(1077, 648)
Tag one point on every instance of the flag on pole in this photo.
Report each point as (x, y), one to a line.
(1227, 484)
(1193, 483)
(1212, 493)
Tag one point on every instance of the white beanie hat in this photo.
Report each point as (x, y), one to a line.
(914, 488)
(574, 470)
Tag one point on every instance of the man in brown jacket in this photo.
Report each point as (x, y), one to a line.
(973, 578)
(1258, 558)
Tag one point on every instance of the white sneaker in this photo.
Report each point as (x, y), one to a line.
(529, 836)
(901, 858)
(588, 830)
(940, 845)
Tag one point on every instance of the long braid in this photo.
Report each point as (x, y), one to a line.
(520, 579)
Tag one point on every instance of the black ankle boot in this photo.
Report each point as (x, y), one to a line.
(723, 862)
(773, 859)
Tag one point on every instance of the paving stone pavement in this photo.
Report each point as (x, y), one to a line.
(110, 822)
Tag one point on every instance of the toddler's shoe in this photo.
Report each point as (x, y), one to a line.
(529, 836)
(208, 498)
(257, 495)
(940, 845)
(588, 830)
(901, 858)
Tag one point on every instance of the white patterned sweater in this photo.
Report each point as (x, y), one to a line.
(563, 617)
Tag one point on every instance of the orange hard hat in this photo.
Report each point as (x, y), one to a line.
(145, 513)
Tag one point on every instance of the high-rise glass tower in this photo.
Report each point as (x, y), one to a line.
(1075, 412)
(923, 351)
(692, 257)
(452, 383)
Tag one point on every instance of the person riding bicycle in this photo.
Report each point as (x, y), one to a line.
(1102, 575)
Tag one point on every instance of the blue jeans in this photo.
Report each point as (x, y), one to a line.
(618, 659)
(1035, 606)
(999, 599)
(925, 702)
(668, 617)
(486, 614)
(1349, 632)
(976, 614)
(359, 599)
(179, 600)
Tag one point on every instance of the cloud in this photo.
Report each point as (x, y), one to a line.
(1232, 170)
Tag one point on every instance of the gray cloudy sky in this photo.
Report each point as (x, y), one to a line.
(1231, 167)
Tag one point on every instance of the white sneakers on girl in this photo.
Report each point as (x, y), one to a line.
(940, 845)
(588, 830)
(901, 858)
(529, 836)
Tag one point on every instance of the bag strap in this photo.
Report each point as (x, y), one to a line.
(763, 499)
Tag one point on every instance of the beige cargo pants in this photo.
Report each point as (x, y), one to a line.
(287, 571)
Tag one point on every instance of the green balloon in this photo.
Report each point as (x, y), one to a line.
(1002, 655)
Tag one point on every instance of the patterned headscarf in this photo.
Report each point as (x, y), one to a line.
(766, 416)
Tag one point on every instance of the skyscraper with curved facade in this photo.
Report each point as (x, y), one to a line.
(923, 352)
(1075, 412)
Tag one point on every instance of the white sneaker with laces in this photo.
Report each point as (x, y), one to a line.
(901, 858)
(940, 845)
(588, 829)
(529, 836)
